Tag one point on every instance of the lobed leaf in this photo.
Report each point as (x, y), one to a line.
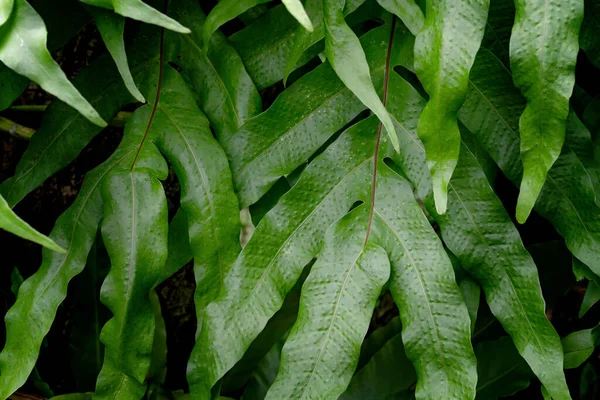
(112, 27)
(31, 317)
(445, 50)
(285, 240)
(64, 132)
(217, 76)
(183, 135)
(338, 297)
(134, 231)
(23, 49)
(140, 11)
(490, 113)
(545, 74)
(9, 221)
(436, 325)
(480, 233)
(277, 141)
(348, 60)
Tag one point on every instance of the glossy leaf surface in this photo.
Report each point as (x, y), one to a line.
(321, 352)
(348, 60)
(23, 49)
(445, 50)
(296, 8)
(140, 11)
(112, 27)
(579, 346)
(545, 74)
(408, 11)
(9, 221)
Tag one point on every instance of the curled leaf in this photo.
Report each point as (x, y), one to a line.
(225, 11)
(296, 8)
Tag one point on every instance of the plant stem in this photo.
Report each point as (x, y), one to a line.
(23, 132)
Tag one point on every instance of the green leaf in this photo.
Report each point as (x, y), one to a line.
(408, 11)
(134, 231)
(23, 49)
(545, 74)
(588, 36)
(285, 240)
(183, 135)
(64, 133)
(592, 296)
(217, 77)
(436, 326)
(336, 305)
(500, 20)
(111, 27)
(89, 315)
(589, 387)
(579, 346)
(264, 375)
(470, 290)
(9, 221)
(31, 317)
(6, 7)
(501, 370)
(296, 8)
(480, 233)
(225, 11)
(449, 30)
(304, 39)
(490, 114)
(61, 27)
(179, 254)
(277, 141)
(140, 11)
(348, 60)
(389, 371)
(377, 339)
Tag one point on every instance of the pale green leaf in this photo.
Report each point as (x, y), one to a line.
(6, 7)
(545, 74)
(348, 60)
(408, 11)
(23, 49)
(304, 39)
(284, 241)
(480, 233)
(436, 328)
(225, 11)
(490, 113)
(111, 27)
(338, 297)
(445, 50)
(140, 11)
(9, 221)
(277, 141)
(296, 8)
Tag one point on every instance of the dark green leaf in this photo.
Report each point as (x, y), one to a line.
(579, 346)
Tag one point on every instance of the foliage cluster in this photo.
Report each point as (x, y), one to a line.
(374, 172)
